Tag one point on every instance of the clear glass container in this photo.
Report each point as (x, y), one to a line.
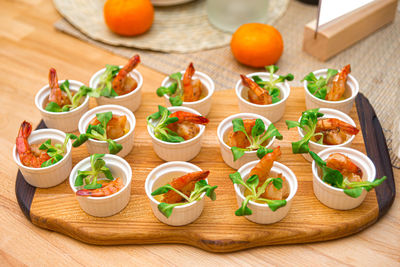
(228, 15)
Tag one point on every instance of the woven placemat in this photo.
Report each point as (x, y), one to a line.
(375, 63)
(181, 28)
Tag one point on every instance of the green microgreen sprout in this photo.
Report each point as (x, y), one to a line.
(74, 99)
(99, 132)
(56, 152)
(335, 178)
(255, 193)
(104, 87)
(174, 91)
(256, 139)
(271, 85)
(200, 187)
(318, 87)
(89, 178)
(158, 123)
(308, 123)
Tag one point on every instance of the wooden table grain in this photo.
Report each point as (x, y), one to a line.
(29, 46)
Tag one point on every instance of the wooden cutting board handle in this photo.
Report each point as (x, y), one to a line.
(377, 151)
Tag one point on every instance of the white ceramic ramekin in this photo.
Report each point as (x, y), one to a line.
(131, 100)
(342, 105)
(334, 197)
(262, 214)
(101, 147)
(203, 105)
(63, 121)
(112, 204)
(181, 215)
(47, 176)
(273, 112)
(183, 151)
(328, 113)
(226, 152)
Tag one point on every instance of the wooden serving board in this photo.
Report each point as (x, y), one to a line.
(217, 229)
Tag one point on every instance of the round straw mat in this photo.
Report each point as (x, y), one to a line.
(183, 28)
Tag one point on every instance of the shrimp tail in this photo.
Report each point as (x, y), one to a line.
(238, 138)
(264, 166)
(333, 123)
(185, 184)
(345, 71)
(119, 79)
(187, 116)
(249, 124)
(187, 83)
(349, 129)
(53, 80)
(182, 181)
(256, 94)
(22, 138)
(132, 64)
(338, 84)
(26, 156)
(55, 91)
(343, 164)
(253, 86)
(106, 190)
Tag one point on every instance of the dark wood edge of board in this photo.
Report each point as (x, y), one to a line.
(24, 191)
(375, 144)
(377, 151)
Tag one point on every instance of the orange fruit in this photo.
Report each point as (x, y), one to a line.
(257, 45)
(128, 17)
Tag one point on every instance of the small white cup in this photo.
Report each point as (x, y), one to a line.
(342, 105)
(183, 151)
(181, 215)
(333, 197)
(226, 152)
(131, 100)
(262, 214)
(328, 113)
(63, 121)
(203, 105)
(101, 147)
(108, 205)
(47, 176)
(273, 112)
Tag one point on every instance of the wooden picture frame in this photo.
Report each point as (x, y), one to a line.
(337, 35)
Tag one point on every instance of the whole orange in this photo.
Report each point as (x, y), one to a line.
(128, 17)
(257, 45)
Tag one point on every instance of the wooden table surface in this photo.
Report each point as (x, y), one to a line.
(29, 46)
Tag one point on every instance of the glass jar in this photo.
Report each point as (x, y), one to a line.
(228, 15)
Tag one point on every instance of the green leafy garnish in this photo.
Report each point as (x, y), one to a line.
(308, 122)
(99, 132)
(175, 90)
(336, 179)
(160, 129)
(104, 87)
(176, 101)
(56, 152)
(89, 178)
(257, 138)
(255, 192)
(270, 85)
(170, 90)
(53, 107)
(75, 99)
(200, 187)
(319, 87)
